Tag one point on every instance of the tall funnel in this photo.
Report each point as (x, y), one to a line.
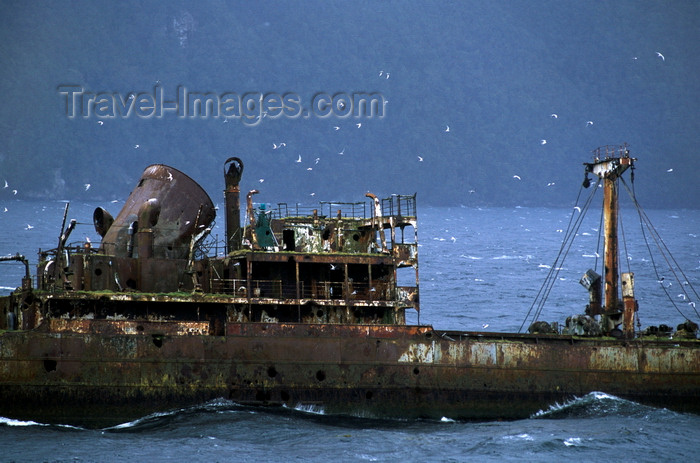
(232, 176)
(180, 199)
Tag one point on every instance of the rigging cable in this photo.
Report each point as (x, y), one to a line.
(658, 238)
(627, 258)
(663, 250)
(554, 270)
(598, 249)
(636, 311)
(624, 240)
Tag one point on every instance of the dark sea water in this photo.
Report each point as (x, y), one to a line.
(478, 267)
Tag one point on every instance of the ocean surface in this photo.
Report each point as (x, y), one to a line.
(480, 270)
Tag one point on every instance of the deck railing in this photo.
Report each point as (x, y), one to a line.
(322, 290)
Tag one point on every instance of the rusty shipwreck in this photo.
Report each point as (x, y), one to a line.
(302, 308)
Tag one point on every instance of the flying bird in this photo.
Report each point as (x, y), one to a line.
(543, 142)
(589, 123)
(336, 127)
(669, 170)
(660, 56)
(359, 124)
(554, 116)
(136, 146)
(299, 158)
(100, 122)
(261, 180)
(6, 184)
(87, 186)
(517, 176)
(343, 151)
(447, 129)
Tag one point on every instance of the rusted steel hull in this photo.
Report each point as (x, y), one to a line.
(103, 375)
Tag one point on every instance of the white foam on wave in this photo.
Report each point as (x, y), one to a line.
(524, 437)
(217, 405)
(11, 422)
(19, 423)
(138, 421)
(505, 257)
(573, 442)
(588, 398)
(310, 408)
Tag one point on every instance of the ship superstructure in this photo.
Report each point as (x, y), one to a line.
(299, 306)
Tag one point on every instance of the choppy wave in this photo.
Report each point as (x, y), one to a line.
(148, 421)
(309, 408)
(518, 437)
(29, 423)
(512, 257)
(597, 405)
(163, 419)
(10, 422)
(204, 412)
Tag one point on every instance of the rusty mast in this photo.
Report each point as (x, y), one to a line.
(609, 164)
